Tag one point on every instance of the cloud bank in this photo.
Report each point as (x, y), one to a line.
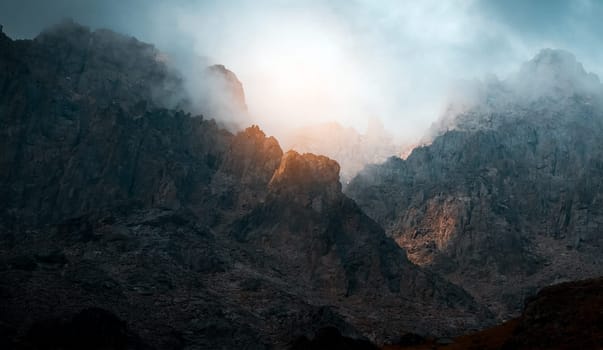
(305, 62)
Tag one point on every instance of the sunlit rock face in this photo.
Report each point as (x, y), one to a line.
(314, 177)
(507, 198)
(190, 235)
(244, 173)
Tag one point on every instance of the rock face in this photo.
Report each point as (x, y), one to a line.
(191, 236)
(79, 135)
(507, 198)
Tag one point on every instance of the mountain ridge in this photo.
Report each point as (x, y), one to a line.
(505, 198)
(190, 234)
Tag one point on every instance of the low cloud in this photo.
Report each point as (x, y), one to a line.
(309, 62)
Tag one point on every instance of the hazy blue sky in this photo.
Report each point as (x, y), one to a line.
(308, 61)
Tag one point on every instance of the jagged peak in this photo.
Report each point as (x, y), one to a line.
(554, 72)
(255, 134)
(319, 166)
(552, 81)
(254, 140)
(253, 156)
(306, 173)
(556, 60)
(66, 26)
(74, 33)
(254, 129)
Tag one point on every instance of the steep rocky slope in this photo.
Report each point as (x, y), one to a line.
(507, 196)
(171, 232)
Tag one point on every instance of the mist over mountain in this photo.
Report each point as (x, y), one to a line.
(164, 230)
(552, 80)
(167, 199)
(352, 150)
(506, 197)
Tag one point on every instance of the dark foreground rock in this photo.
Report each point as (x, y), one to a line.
(565, 316)
(560, 317)
(92, 328)
(331, 339)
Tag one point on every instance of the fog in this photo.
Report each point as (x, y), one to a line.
(308, 62)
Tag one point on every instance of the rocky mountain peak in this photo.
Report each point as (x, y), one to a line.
(67, 28)
(253, 132)
(71, 38)
(512, 182)
(254, 138)
(556, 62)
(553, 88)
(305, 170)
(554, 72)
(111, 68)
(253, 157)
(306, 177)
(218, 235)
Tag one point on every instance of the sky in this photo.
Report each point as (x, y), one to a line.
(309, 61)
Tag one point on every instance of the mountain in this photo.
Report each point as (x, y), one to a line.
(129, 223)
(550, 82)
(506, 197)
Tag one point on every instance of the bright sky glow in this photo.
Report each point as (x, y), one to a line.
(303, 62)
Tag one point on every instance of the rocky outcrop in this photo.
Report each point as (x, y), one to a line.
(507, 198)
(307, 180)
(191, 235)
